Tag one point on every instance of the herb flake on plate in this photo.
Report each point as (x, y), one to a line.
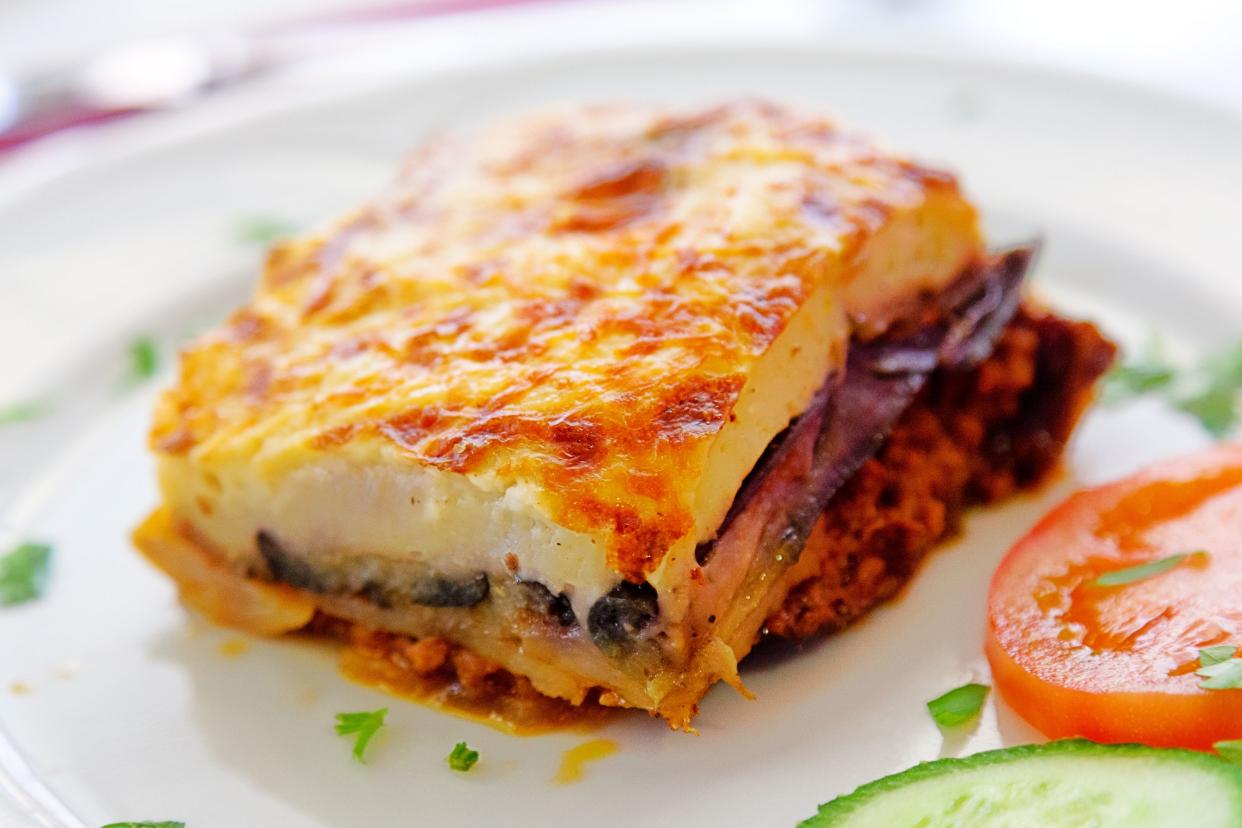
(165, 824)
(263, 229)
(23, 573)
(1230, 750)
(364, 724)
(959, 705)
(1148, 372)
(1215, 655)
(1223, 675)
(1215, 407)
(22, 412)
(1217, 384)
(1208, 391)
(462, 758)
(1141, 572)
(144, 358)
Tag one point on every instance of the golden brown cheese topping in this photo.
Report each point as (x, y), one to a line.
(573, 303)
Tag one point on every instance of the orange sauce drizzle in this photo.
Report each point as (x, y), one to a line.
(574, 761)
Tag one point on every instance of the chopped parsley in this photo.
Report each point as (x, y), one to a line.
(1215, 407)
(1148, 372)
(1230, 749)
(959, 705)
(1142, 572)
(1223, 675)
(364, 724)
(1215, 399)
(1208, 391)
(23, 411)
(144, 358)
(462, 758)
(23, 573)
(165, 824)
(1225, 366)
(263, 229)
(1215, 655)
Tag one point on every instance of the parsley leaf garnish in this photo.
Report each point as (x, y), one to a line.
(23, 411)
(144, 358)
(1215, 407)
(1208, 391)
(1150, 371)
(1223, 675)
(1230, 750)
(1216, 402)
(1215, 655)
(1141, 572)
(462, 758)
(364, 724)
(263, 229)
(1225, 366)
(145, 825)
(23, 573)
(959, 705)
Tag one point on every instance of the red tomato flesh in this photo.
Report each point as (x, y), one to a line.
(1117, 663)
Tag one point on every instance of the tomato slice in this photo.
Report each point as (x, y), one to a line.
(1117, 663)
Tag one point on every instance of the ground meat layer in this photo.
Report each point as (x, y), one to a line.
(970, 438)
(439, 672)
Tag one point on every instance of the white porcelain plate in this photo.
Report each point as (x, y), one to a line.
(115, 703)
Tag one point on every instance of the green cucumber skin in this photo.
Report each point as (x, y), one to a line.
(836, 812)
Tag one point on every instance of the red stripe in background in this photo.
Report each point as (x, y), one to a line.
(406, 11)
(60, 121)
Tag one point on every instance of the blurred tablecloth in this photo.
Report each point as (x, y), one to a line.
(1194, 46)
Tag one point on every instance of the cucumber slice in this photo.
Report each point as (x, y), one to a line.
(1065, 784)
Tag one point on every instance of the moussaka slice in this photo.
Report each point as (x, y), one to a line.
(573, 393)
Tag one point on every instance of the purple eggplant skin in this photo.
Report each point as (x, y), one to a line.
(853, 412)
(403, 588)
(449, 592)
(428, 591)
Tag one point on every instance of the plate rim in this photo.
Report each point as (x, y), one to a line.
(46, 162)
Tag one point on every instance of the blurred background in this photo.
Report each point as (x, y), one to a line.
(67, 63)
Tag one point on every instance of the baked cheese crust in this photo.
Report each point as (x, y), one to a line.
(573, 303)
